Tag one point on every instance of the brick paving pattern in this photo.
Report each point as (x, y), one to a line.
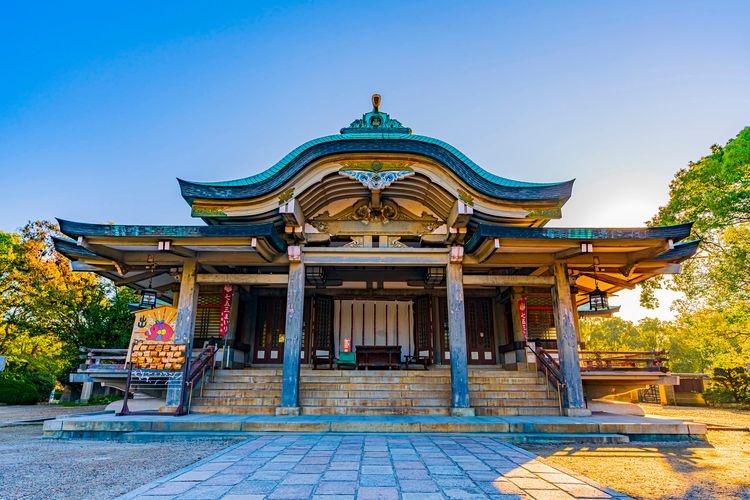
(395, 466)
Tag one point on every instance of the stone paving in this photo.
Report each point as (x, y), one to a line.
(366, 466)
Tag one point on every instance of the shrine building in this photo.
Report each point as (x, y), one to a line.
(376, 248)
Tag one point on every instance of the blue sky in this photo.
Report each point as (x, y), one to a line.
(102, 105)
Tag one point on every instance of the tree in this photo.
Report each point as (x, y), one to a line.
(47, 311)
(714, 193)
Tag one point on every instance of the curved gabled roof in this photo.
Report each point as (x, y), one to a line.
(376, 132)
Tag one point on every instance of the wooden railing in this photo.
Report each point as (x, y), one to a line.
(102, 359)
(651, 361)
(551, 369)
(197, 375)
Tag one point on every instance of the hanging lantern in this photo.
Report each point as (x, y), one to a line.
(148, 299)
(598, 300)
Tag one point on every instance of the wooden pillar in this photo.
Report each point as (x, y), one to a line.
(515, 298)
(187, 305)
(295, 303)
(567, 342)
(460, 406)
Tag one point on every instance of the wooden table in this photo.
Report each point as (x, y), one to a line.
(378, 356)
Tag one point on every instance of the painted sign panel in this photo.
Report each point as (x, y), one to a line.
(152, 345)
(523, 313)
(225, 308)
(155, 324)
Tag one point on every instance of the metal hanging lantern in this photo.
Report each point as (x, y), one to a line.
(148, 299)
(148, 296)
(597, 299)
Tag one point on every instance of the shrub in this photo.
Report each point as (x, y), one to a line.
(718, 396)
(42, 383)
(735, 381)
(17, 392)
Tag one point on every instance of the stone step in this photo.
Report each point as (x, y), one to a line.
(388, 410)
(368, 393)
(375, 373)
(516, 411)
(242, 387)
(384, 379)
(406, 386)
(506, 387)
(514, 395)
(247, 379)
(493, 403)
(367, 402)
(243, 401)
(234, 410)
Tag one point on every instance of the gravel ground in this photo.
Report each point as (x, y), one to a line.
(16, 413)
(33, 467)
(717, 468)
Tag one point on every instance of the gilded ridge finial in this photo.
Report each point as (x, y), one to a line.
(376, 103)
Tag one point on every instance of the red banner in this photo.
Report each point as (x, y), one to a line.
(224, 309)
(524, 315)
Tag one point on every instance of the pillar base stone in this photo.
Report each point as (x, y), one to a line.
(287, 411)
(463, 412)
(577, 412)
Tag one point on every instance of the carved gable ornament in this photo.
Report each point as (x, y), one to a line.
(376, 122)
(376, 176)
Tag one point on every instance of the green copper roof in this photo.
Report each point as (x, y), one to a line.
(677, 232)
(286, 160)
(377, 132)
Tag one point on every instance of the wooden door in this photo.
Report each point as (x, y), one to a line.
(442, 324)
(422, 324)
(322, 324)
(480, 338)
(269, 336)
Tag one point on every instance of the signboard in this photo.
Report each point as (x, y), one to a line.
(152, 345)
(523, 314)
(155, 324)
(225, 307)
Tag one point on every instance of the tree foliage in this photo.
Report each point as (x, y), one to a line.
(47, 311)
(714, 193)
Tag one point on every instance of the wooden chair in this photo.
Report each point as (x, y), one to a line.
(423, 357)
(323, 357)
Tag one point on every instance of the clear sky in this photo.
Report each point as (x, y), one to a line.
(103, 105)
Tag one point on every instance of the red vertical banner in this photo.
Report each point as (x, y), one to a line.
(224, 309)
(524, 315)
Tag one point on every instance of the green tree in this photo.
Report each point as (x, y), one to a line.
(714, 193)
(47, 311)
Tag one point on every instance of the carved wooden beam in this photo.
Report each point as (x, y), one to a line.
(292, 214)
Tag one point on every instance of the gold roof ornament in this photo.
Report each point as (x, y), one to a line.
(376, 103)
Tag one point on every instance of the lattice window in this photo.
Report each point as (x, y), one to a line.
(444, 327)
(276, 317)
(207, 318)
(541, 319)
(422, 323)
(486, 323)
(324, 323)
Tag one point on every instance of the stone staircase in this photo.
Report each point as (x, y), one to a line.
(492, 391)
(254, 391)
(500, 392)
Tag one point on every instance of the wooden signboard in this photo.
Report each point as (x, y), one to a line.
(152, 345)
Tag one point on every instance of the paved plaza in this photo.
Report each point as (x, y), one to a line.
(366, 466)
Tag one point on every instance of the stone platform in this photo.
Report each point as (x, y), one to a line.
(598, 428)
